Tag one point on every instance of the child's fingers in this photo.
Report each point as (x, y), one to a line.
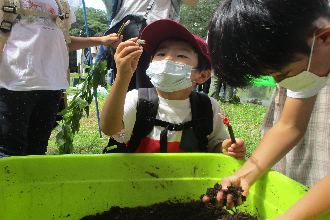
(237, 152)
(240, 156)
(126, 48)
(237, 149)
(230, 202)
(133, 39)
(129, 50)
(239, 146)
(206, 199)
(220, 199)
(127, 43)
(128, 58)
(134, 58)
(239, 200)
(226, 144)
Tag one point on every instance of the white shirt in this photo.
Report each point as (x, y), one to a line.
(35, 56)
(304, 94)
(161, 9)
(173, 111)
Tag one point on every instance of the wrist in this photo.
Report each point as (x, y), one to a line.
(248, 174)
(123, 78)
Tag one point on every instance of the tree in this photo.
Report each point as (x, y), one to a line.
(96, 20)
(97, 23)
(196, 19)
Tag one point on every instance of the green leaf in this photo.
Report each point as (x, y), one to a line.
(99, 74)
(82, 103)
(82, 99)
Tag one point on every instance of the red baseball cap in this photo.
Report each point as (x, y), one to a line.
(158, 30)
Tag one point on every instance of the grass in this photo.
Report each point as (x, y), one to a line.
(245, 119)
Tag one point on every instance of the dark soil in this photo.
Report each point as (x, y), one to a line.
(195, 210)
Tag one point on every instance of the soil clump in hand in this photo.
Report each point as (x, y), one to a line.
(236, 191)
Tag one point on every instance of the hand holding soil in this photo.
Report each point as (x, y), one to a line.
(232, 196)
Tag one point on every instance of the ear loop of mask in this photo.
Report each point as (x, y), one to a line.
(312, 49)
(194, 80)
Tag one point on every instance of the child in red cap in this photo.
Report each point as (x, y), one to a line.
(180, 61)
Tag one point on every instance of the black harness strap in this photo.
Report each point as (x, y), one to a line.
(202, 114)
(146, 112)
(170, 127)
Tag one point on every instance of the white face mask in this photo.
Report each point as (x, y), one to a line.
(169, 76)
(304, 80)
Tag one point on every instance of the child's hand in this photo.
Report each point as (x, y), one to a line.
(236, 150)
(112, 40)
(226, 182)
(127, 57)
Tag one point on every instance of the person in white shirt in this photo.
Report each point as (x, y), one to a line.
(94, 49)
(33, 71)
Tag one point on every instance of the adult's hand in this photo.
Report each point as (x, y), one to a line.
(112, 40)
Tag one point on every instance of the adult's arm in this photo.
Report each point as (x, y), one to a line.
(191, 3)
(85, 42)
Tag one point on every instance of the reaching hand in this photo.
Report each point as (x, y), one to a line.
(112, 40)
(236, 150)
(229, 201)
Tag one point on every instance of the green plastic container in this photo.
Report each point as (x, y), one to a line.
(264, 81)
(73, 186)
(260, 92)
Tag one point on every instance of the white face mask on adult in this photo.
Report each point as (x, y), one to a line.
(305, 80)
(169, 76)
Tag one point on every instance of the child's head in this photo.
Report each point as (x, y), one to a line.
(180, 59)
(250, 38)
(163, 33)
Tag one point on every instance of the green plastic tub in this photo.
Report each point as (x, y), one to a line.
(260, 92)
(264, 81)
(73, 186)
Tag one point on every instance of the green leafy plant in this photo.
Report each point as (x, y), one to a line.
(235, 100)
(70, 123)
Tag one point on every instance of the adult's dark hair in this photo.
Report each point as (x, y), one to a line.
(203, 63)
(247, 37)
